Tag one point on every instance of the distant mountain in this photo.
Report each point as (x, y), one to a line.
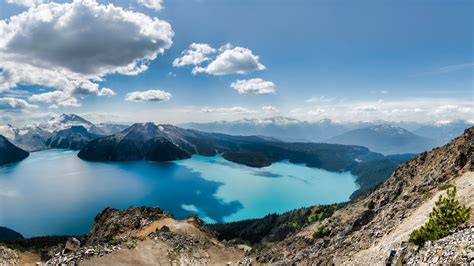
(35, 137)
(106, 129)
(443, 132)
(386, 139)
(65, 121)
(148, 141)
(284, 128)
(8, 131)
(73, 138)
(9, 153)
(31, 138)
(8, 234)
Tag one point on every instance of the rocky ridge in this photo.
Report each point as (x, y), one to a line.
(356, 227)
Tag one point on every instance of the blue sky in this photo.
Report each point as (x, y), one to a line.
(344, 60)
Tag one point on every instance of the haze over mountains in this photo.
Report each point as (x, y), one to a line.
(380, 136)
(385, 139)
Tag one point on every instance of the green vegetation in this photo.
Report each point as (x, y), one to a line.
(374, 170)
(322, 231)
(273, 227)
(371, 205)
(446, 186)
(447, 215)
(37, 243)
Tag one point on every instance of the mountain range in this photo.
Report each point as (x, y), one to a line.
(147, 141)
(52, 133)
(379, 136)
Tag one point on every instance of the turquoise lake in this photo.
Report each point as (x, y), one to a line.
(54, 192)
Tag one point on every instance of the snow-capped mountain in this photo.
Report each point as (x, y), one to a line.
(35, 137)
(65, 121)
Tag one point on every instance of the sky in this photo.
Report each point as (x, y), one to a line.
(176, 61)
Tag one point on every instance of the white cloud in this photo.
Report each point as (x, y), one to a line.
(228, 110)
(106, 92)
(44, 46)
(365, 108)
(27, 3)
(49, 97)
(152, 4)
(149, 95)
(253, 86)
(270, 109)
(196, 54)
(9, 104)
(237, 60)
(316, 111)
(57, 99)
(69, 102)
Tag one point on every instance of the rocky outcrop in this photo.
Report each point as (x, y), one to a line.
(111, 223)
(145, 235)
(8, 256)
(9, 153)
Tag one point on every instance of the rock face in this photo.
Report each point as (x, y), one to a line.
(73, 138)
(9, 153)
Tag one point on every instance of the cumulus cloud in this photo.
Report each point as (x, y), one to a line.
(10, 104)
(232, 60)
(44, 46)
(253, 86)
(106, 92)
(196, 54)
(149, 96)
(27, 3)
(152, 4)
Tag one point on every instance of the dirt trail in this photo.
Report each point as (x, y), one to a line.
(465, 192)
(28, 258)
(157, 252)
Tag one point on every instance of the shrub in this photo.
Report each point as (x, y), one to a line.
(371, 205)
(321, 232)
(445, 186)
(447, 214)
